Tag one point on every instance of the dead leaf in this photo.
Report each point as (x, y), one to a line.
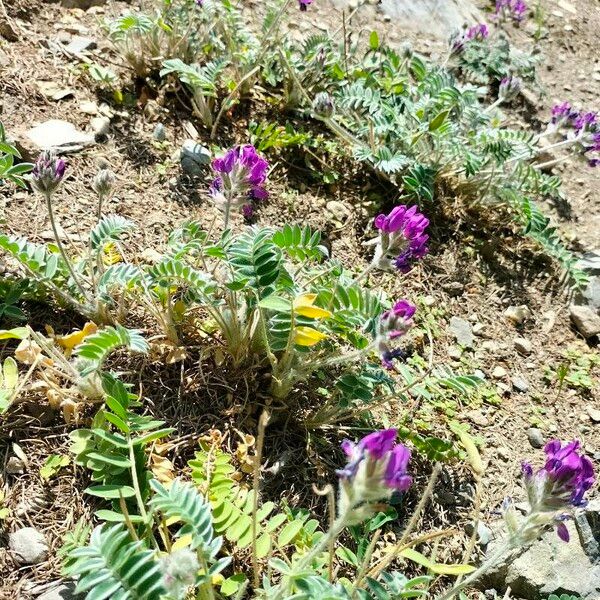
(28, 352)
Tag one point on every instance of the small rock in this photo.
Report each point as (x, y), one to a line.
(429, 301)
(594, 414)
(490, 346)
(462, 332)
(52, 90)
(503, 453)
(100, 126)
(193, 157)
(15, 466)
(453, 288)
(590, 295)
(536, 437)
(338, 210)
(517, 314)
(60, 135)
(585, 320)
(523, 345)
(484, 533)
(478, 418)
(65, 591)
(159, 133)
(499, 373)
(454, 352)
(89, 108)
(520, 384)
(80, 44)
(29, 546)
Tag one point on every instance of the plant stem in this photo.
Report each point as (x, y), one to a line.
(48, 196)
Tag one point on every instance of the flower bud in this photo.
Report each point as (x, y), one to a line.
(47, 172)
(103, 182)
(179, 571)
(407, 50)
(510, 87)
(323, 105)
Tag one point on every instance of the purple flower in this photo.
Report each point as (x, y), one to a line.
(509, 87)
(560, 112)
(393, 324)
(247, 211)
(477, 32)
(241, 175)
(560, 484)
(376, 464)
(48, 171)
(303, 4)
(402, 233)
(200, 3)
(511, 9)
(395, 470)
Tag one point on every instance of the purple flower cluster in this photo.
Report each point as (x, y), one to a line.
(585, 126)
(561, 483)
(393, 324)
(509, 87)
(402, 233)
(241, 175)
(477, 32)
(377, 463)
(511, 9)
(304, 4)
(47, 172)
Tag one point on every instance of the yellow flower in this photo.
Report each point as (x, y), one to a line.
(304, 305)
(307, 336)
(69, 341)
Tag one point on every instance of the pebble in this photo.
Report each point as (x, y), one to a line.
(429, 301)
(453, 288)
(194, 157)
(100, 126)
(454, 352)
(499, 373)
(462, 332)
(536, 437)
(585, 320)
(80, 44)
(338, 210)
(159, 133)
(478, 418)
(15, 466)
(29, 546)
(60, 135)
(523, 345)
(89, 108)
(520, 384)
(594, 414)
(503, 453)
(490, 346)
(517, 314)
(478, 328)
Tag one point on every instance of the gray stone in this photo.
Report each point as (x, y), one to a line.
(15, 466)
(594, 414)
(159, 133)
(590, 262)
(548, 566)
(523, 345)
(462, 332)
(89, 107)
(520, 384)
(65, 591)
(453, 288)
(29, 546)
(499, 373)
(338, 210)
(80, 44)
(585, 320)
(194, 157)
(59, 135)
(536, 437)
(100, 126)
(590, 295)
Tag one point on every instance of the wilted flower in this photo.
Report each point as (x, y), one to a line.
(242, 173)
(509, 87)
(103, 182)
(179, 571)
(376, 468)
(323, 105)
(47, 172)
(304, 4)
(393, 324)
(402, 238)
(511, 9)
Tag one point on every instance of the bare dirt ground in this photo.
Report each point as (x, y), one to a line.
(464, 275)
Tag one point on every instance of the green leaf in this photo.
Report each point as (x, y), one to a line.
(232, 584)
(437, 568)
(374, 40)
(18, 333)
(347, 556)
(111, 492)
(289, 532)
(438, 120)
(276, 303)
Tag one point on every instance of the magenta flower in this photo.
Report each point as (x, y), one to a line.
(511, 9)
(241, 175)
(48, 171)
(377, 465)
(561, 483)
(402, 234)
(393, 324)
(477, 32)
